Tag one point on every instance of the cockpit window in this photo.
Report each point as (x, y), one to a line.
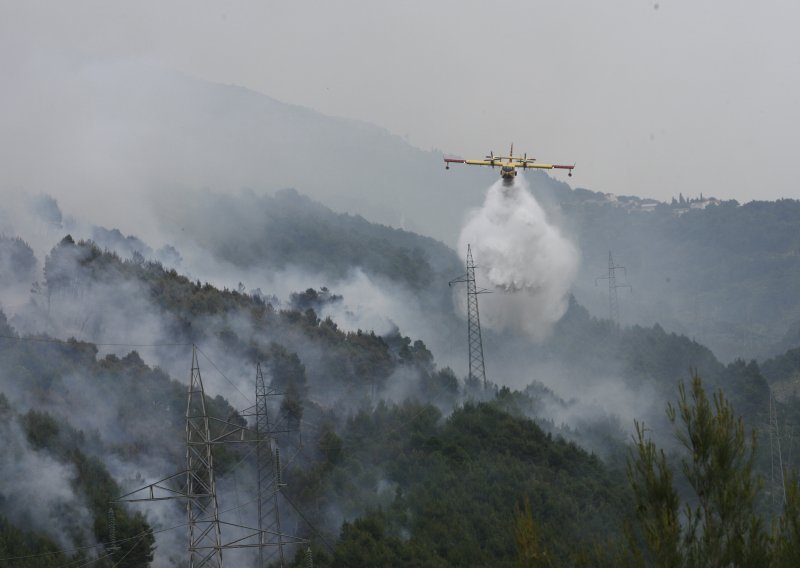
(508, 169)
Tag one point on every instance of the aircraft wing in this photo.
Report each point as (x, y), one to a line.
(483, 163)
(535, 165)
(543, 166)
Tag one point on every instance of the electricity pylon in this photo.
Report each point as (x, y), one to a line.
(205, 539)
(477, 369)
(269, 476)
(613, 300)
(197, 486)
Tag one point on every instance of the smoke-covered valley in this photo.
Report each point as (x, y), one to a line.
(142, 221)
(123, 144)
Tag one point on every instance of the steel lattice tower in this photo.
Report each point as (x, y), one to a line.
(205, 540)
(269, 478)
(613, 299)
(205, 535)
(477, 370)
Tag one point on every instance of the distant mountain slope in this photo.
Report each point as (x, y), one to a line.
(291, 230)
(109, 132)
(120, 140)
(725, 273)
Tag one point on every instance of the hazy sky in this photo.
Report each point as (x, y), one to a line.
(649, 98)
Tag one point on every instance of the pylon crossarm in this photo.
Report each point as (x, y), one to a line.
(222, 439)
(253, 414)
(197, 522)
(265, 545)
(251, 411)
(232, 429)
(233, 425)
(151, 488)
(170, 498)
(253, 534)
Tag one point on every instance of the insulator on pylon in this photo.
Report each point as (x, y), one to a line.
(278, 467)
(112, 530)
(309, 558)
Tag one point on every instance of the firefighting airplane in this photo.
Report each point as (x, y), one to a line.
(508, 164)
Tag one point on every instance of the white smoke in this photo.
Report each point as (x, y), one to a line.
(37, 491)
(522, 257)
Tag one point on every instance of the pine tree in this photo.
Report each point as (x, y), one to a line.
(530, 551)
(717, 524)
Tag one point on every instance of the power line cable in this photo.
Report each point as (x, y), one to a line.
(98, 344)
(223, 375)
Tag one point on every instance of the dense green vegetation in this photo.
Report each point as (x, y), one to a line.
(97, 486)
(704, 513)
(28, 549)
(93, 487)
(486, 487)
(351, 359)
(45, 374)
(394, 461)
(451, 487)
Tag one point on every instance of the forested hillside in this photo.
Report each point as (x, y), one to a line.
(263, 304)
(401, 461)
(723, 272)
(288, 229)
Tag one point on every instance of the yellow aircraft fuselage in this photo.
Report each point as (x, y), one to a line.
(508, 173)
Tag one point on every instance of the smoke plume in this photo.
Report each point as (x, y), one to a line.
(522, 257)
